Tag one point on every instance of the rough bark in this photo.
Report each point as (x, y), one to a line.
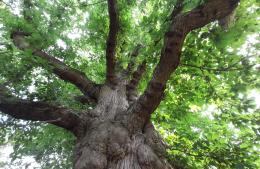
(107, 143)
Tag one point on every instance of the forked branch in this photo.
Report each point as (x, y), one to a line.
(112, 41)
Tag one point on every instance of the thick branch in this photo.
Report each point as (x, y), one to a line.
(112, 41)
(71, 75)
(38, 111)
(63, 71)
(171, 51)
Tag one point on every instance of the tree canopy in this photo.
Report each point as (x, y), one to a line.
(209, 116)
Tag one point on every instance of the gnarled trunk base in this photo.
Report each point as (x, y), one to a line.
(107, 142)
(109, 145)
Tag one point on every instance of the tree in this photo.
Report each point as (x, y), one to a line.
(110, 120)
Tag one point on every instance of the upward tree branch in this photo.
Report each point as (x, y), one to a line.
(64, 72)
(37, 111)
(133, 56)
(71, 75)
(170, 54)
(132, 85)
(112, 41)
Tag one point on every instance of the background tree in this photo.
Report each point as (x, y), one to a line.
(100, 69)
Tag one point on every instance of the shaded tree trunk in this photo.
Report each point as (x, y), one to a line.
(108, 142)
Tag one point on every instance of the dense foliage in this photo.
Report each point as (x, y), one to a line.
(209, 117)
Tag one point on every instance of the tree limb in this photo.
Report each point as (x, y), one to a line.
(64, 72)
(112, 41)
(133, 55)
(37, 111)
(132, 85)
(170, 55)
(69, 74)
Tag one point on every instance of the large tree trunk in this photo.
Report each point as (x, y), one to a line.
(107, 143)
